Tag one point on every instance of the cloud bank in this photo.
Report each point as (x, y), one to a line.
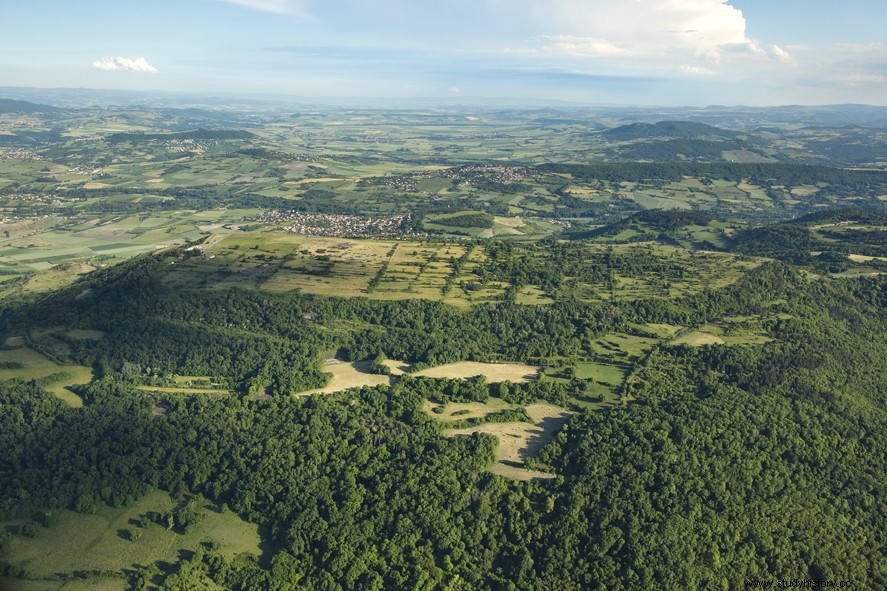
(124, 64)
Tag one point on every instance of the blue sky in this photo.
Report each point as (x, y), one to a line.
(636, 52)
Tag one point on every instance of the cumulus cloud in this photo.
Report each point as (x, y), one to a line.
(704, 28)
(124, 64)
(647, 37)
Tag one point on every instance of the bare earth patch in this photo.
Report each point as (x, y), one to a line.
(354, 375)
(518, 441)
(494, 372)
(349, 375)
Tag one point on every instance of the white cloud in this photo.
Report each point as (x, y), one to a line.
(582, 46)
(124, 64)
(696, 70)
(283, 7)
(648, 37)
(699, 25)
(781, 54)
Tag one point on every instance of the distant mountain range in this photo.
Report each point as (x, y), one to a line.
(25, 108)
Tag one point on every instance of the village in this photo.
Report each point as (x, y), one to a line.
(18, 154)
(344, 226)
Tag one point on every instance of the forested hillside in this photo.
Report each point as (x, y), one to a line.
(692, 482)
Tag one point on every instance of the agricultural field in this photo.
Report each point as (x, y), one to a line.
(113, 186)
(45, 254)
(329, 266)
(453, 273)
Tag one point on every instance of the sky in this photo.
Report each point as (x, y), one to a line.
(603, 52)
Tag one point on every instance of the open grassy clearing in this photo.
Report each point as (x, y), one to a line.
(188, 385)
(103, 540)
(175, 390)
(658, 330)
(859, 258)
(457, 411)
(349, 375)
(611, 375)
(34, 365)
(698, 338)
(621, 348)
(493, 372)
(533, 295)
(100, 584)
(727, 331)
(519, 441)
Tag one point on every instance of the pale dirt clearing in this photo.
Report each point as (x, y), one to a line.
(861, 258)
(354, 375)
(347, 376)
(518, 441)
(398, 368)
(494, 372)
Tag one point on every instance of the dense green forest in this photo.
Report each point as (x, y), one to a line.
(726, 463)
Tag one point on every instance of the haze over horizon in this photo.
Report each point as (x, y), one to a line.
(642, 52)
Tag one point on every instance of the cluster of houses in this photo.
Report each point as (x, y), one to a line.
(47, 199)
(344, 226)
(187, 145)
(18, 154)
(499, 174)
(556, 222)
(85, 170)
(410, 183)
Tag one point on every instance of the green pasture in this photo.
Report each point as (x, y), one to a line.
(34, 365)
(104, 540)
